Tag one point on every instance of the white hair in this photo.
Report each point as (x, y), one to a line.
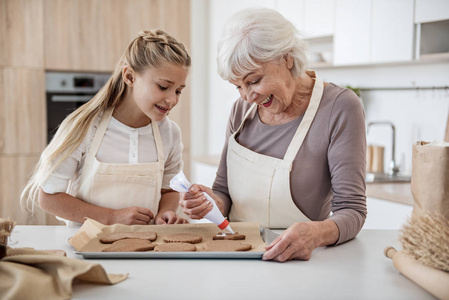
(257, 35)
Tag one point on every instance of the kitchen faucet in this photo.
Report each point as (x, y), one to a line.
(393, 169)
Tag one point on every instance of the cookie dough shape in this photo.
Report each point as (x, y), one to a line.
(229, 236)
(130, 245)
(175, 247)
(107, 238)
(226, 245)
(183, 238)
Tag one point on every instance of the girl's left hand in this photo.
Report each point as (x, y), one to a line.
(169, 217)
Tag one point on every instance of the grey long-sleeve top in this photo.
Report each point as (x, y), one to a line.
(328, 175)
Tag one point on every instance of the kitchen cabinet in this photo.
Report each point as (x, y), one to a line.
(21, 33)
(373, 31)
(432, 27)
(431, 10)
(87, 35)
(11, 184)
(352, 32)
(22, 113)
(314, 18)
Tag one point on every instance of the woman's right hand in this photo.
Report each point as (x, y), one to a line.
(194, 203)
(132, 216)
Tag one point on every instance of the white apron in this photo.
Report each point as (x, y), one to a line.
(259, 185)
(118, 186)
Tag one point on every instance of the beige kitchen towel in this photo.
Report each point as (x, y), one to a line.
(31, 274)
(430, 178)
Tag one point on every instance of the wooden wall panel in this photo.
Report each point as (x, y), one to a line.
(14, 174)
(23, 111)
(22, 29)
(2, 32)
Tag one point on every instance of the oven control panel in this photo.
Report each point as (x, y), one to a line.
(75, 82)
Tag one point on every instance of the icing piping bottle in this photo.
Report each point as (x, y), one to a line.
(180, 184)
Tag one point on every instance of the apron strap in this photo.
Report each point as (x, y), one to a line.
(306, 122)
(158, 141)
(244, 118)
(101, 129)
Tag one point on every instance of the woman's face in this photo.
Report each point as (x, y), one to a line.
(271, 86)
(157, 90)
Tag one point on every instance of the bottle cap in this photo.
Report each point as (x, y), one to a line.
(224, 224)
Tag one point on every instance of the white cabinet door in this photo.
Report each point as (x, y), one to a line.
(294, 11)
(352, 39)
(392, 31)
(373, 31)
(314, 18)
(431, 10)
(319, 18)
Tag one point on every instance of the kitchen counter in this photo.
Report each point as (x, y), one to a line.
(398, 192)
(357, 269)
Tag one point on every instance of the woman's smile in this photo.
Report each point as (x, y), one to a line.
(267, 102)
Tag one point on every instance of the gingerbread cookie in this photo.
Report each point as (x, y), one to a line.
(183, 238)
(226, 245)
(229, 236)
(130, 245)
(107, 238)
(174, 247)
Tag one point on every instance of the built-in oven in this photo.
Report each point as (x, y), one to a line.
(68, 91)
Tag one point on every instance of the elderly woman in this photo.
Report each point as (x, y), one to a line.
(295, 147)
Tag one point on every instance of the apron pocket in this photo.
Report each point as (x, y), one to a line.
(120, 191)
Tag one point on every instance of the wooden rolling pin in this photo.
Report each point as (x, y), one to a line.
(432, 280)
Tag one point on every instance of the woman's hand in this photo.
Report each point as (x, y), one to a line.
(194, 203)
(132, 216)
(299, 240)
(169, 217)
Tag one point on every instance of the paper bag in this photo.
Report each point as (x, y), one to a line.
(430, 178)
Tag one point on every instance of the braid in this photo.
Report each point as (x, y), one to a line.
(153, 47)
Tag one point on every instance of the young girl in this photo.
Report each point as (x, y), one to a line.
(112, 159)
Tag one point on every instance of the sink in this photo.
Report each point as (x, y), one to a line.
(381, 177)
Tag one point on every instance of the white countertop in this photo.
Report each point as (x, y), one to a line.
(357, 269)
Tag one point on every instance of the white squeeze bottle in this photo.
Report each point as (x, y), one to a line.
(180, 184)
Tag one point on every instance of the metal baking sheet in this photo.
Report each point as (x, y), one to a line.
(267, 235)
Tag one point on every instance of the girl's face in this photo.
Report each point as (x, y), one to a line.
(156, 91)
(271, 86)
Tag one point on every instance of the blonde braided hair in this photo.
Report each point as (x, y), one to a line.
(151, 48)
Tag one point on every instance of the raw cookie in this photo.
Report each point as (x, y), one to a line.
(229, 236)
(226, 245)
(130, 245)
(174, 247)
(183, 238)
(108, 238)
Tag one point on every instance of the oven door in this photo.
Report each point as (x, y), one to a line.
(59, 106)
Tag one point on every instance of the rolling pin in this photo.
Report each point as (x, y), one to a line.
(432, 280)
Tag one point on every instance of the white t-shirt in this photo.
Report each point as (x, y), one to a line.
(121, 144)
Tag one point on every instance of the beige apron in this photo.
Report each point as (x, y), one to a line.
(118, 186)
(259, 185)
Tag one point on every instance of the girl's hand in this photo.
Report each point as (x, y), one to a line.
(132, 216)
(194, 204)
(169, 217)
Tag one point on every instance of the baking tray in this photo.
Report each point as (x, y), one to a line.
(267, 235)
